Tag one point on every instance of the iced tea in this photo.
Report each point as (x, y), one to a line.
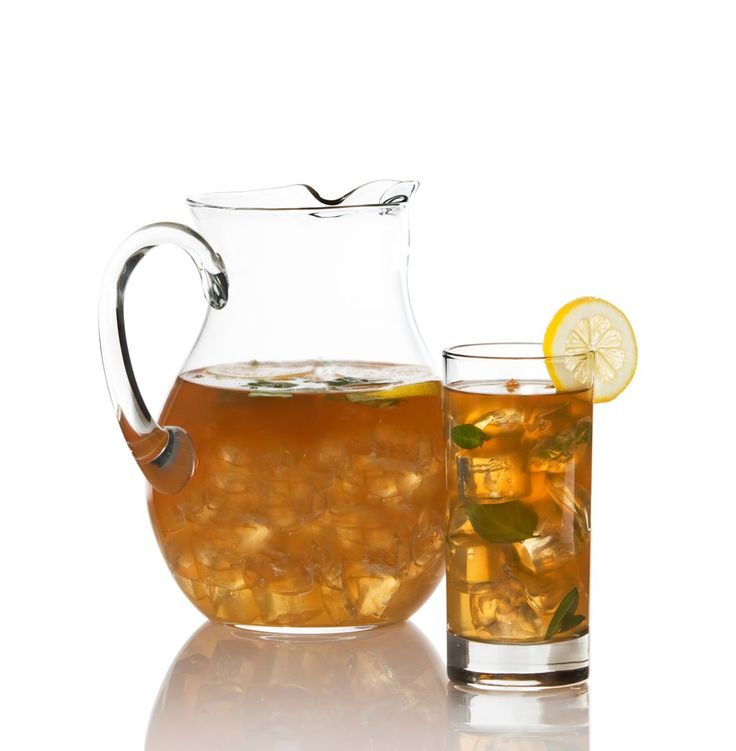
(318, 495)
(519, 474)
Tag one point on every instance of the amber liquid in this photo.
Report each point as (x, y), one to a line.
(533, 473)
(318, 495)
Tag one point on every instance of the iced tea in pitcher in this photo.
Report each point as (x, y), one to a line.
(296, 476)
(318, 498)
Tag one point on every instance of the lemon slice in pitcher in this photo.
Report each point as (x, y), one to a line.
(403, 391)
(590, 324)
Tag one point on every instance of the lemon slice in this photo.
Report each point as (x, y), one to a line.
(590, 324)
(406, 390)
(428, 388)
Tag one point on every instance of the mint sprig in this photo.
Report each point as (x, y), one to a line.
(512, 521)
(468, 436)
(564, 618)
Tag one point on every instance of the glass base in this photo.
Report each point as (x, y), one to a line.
(480, 664)
(305, 630)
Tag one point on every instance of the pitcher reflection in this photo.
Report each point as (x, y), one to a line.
(504, 720)
(234, 689)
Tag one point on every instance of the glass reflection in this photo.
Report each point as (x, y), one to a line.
(505, 720)
(235, 689)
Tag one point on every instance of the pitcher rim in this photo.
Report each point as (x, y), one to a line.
(236, 200)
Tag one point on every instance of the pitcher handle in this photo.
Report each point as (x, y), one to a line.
(164, 454)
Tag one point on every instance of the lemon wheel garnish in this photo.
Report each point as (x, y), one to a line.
(590, 324)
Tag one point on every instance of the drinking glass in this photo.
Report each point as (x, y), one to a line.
(518, 544)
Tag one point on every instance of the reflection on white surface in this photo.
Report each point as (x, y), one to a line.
(545, 720)
(234, 689)
(380, 689)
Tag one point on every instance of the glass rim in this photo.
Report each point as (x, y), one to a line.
(452, 353)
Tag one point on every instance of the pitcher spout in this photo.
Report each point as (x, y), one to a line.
(302, 197)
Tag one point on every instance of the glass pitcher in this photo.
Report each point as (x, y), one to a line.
(296, 478)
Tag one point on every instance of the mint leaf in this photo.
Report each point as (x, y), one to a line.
(583, 431)
(371, 401)
(468, 436)
(507, 522)
(270, 385)
(342, 381)
(570, 621)
(564, 613)
(560, 447)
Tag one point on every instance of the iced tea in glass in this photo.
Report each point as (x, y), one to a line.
(518, 546)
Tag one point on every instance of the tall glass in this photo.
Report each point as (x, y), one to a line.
(518, 484)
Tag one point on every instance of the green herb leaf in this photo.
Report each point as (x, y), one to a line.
(560, 447)
(270, 385)
(512, 521)
(468, 436)
(570, 621)
(380, 403)
(565, 610)
(583, 431)
(337, 383)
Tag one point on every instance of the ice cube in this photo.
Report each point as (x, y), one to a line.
(497, 477)
(548, 456)
(428, 539)
(540, 554)
(459, 522)
(381, 485)
(470, 562)
(330, 455)
(383, 545)
(285, 574)
(506, 420)
(284, 518)
(553, 545)
(545, 592)
(233, 479)
(338, 604)
(168, 514)
(193, 588)
(371, 586)
(408, 482)
(399, 443)
(501, 610)
(573, 499)
(239, 607)
(211, 552)
(289, 609)
(250, 536)
(555, 452)
(180, 557)
(350, 543)
(544, 421)
(297, 493)
(344, 495)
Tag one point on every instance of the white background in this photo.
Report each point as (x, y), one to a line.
(564, 148)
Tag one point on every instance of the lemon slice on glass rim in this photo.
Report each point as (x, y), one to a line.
(589, 324)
